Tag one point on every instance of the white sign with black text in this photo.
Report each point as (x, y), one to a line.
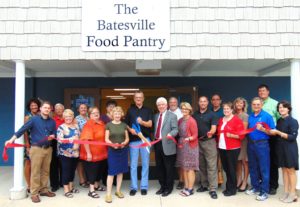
(125, 25)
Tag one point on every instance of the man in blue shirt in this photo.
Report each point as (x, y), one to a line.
(42, 131)
(258, 150)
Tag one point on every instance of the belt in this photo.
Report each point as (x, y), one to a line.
(41, 146)
(205, 139)
(258, 141)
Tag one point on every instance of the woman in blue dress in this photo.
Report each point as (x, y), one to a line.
(287, 150)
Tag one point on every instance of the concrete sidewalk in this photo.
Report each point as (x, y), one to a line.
(150, 200)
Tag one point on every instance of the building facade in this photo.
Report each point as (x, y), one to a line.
(229, 46)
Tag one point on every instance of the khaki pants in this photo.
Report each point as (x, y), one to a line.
(208, 164)
(40, 167)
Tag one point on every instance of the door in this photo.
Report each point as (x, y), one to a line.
(73, 97)
(186, 94)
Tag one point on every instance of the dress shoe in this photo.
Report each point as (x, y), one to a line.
(273, 191)
(243, 190)
(180, 186)
(160, 191)
(228, 193)
(54, 189)
(48, 194)
(132, 192)
(213, 194)
(202, 189)
(35, 199)
(166, 193)
(144, 192)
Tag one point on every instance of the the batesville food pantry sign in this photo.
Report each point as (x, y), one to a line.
(125, 25)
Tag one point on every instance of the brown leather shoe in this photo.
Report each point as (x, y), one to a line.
(35, 199)
(48, 194)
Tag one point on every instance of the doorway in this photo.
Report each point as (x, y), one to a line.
(73, 97)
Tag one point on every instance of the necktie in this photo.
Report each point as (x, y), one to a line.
(157, 134)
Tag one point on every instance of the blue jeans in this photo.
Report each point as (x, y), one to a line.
(134, 158)
(259, 165)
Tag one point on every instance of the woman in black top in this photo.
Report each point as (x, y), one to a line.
(287, 150)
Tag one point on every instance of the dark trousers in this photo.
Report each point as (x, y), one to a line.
(55, 167)
(274, 175)
(104, 172)
(165, 167)
(68, 168)
(229, 160)
(93, 170)
(259, 165)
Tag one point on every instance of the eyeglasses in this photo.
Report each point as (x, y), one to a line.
(184, 109)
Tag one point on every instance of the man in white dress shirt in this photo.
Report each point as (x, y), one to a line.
(173, 107)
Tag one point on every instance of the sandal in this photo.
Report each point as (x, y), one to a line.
(100, 188)
(74, 190)
(93, 194)
(187, 192)
(69, 194)
(108, 199)
(84, 185)
(183, 192)
(119, 194)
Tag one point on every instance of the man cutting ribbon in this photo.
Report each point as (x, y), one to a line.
(41, 126)
(143, 116)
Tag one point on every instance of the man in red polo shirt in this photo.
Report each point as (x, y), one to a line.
(55, 170)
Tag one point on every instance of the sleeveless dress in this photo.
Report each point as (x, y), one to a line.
(187, 157)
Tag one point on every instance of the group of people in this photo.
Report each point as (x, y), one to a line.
(206, 140)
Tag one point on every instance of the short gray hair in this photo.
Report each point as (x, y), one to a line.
(257, 99)
(161, 99)
(59, 105)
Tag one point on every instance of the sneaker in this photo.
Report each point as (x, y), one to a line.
(262, 196)
(252, 191)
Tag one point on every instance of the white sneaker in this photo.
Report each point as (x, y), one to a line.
(252, 191)
(262, 196)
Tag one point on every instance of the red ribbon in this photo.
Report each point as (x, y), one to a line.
(115, 145)
(247, 131)
(12, 145)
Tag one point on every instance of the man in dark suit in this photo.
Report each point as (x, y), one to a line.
(165, 124)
